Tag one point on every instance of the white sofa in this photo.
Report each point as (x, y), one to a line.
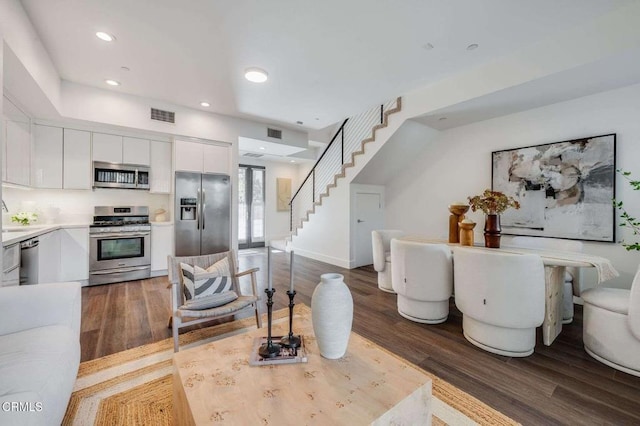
(39, 352)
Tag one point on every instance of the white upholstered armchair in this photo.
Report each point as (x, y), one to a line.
(501, 297)
(422, 277)
(573, 282)
(381, 240)
(611, 326)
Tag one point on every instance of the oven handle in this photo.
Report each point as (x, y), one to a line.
(137, 234)
(111, 271)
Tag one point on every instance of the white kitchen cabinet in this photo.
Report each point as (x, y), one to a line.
(161, 247)
(74, 252)
(107, 148)
(47, 157)
(215, 159)
(49, 257)
(18, 152)
(199, 157)
(135, 151)
(188, 156)
(77, 159)
(160, 172)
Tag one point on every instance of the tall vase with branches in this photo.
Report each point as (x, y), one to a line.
(626, 220)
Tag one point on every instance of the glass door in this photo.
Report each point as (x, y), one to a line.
(251, 209)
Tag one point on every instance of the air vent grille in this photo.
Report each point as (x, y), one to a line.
(165, 116)
(251, 154)
(274, 133)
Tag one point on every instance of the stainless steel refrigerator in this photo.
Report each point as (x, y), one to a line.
(202, 214)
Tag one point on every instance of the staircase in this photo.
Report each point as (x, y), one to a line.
(347, 144)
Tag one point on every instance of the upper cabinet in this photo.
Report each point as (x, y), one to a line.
(18, 152)
(202, 158)
(121, 149)
(47, 157)
(61, 158)
(160, 171)
(16, 155)
(136, 151)
(77, 159)
(107, 148)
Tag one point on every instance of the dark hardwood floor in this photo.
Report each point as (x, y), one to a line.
(559, 384)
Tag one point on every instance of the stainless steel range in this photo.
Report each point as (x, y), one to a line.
(120, 244)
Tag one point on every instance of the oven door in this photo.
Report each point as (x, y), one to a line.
(120, 250)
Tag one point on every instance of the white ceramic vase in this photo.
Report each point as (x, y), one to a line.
(332, 315)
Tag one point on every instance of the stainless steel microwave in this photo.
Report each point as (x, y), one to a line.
(126, 176)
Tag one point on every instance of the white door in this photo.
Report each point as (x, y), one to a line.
(368, 217)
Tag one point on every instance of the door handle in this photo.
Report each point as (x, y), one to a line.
(360, 221)
(204, 205)
(198, 210)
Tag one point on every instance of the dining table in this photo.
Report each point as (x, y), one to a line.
(555, 262)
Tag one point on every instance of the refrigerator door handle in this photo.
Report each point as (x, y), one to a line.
(204, 205)
(198, 210)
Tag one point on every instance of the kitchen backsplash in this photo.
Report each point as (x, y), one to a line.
(66, 206)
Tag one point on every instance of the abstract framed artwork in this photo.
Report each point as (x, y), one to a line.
(565, 189)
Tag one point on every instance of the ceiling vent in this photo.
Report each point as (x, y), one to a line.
(165, 116)
(274, 133)
(253, 155)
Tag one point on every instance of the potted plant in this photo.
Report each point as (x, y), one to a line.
(493, 204)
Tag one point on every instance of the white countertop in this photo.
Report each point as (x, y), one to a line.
(161, 223)
(17, 233)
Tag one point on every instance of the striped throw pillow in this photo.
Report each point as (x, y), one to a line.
(211, 301)
(198, 282)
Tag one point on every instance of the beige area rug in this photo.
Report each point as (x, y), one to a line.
(134, 387)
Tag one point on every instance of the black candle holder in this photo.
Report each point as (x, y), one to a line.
(269, 349)
(291, 341)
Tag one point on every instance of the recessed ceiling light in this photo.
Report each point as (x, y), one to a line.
(256, 75)
(262, 147)
(472, 46)
(105, 36)
(112, 82)
(292, 161)
(205, 104)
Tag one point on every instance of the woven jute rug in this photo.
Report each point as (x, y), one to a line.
(134, 387)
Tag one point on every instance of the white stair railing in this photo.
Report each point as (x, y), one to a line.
(346, 144)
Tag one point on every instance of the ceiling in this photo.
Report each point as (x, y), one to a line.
(326, 60)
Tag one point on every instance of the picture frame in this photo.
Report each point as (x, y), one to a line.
(565, 189)
(283, 194)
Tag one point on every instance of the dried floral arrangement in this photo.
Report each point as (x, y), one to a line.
(492, 202)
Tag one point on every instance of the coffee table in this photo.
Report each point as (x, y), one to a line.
(214, 383)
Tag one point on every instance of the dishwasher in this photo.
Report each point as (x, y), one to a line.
(29, 261)
(11, 265)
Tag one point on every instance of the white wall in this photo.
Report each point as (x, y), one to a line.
(276, 223)
(77, 205)
(325, 236)
(457, 164)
